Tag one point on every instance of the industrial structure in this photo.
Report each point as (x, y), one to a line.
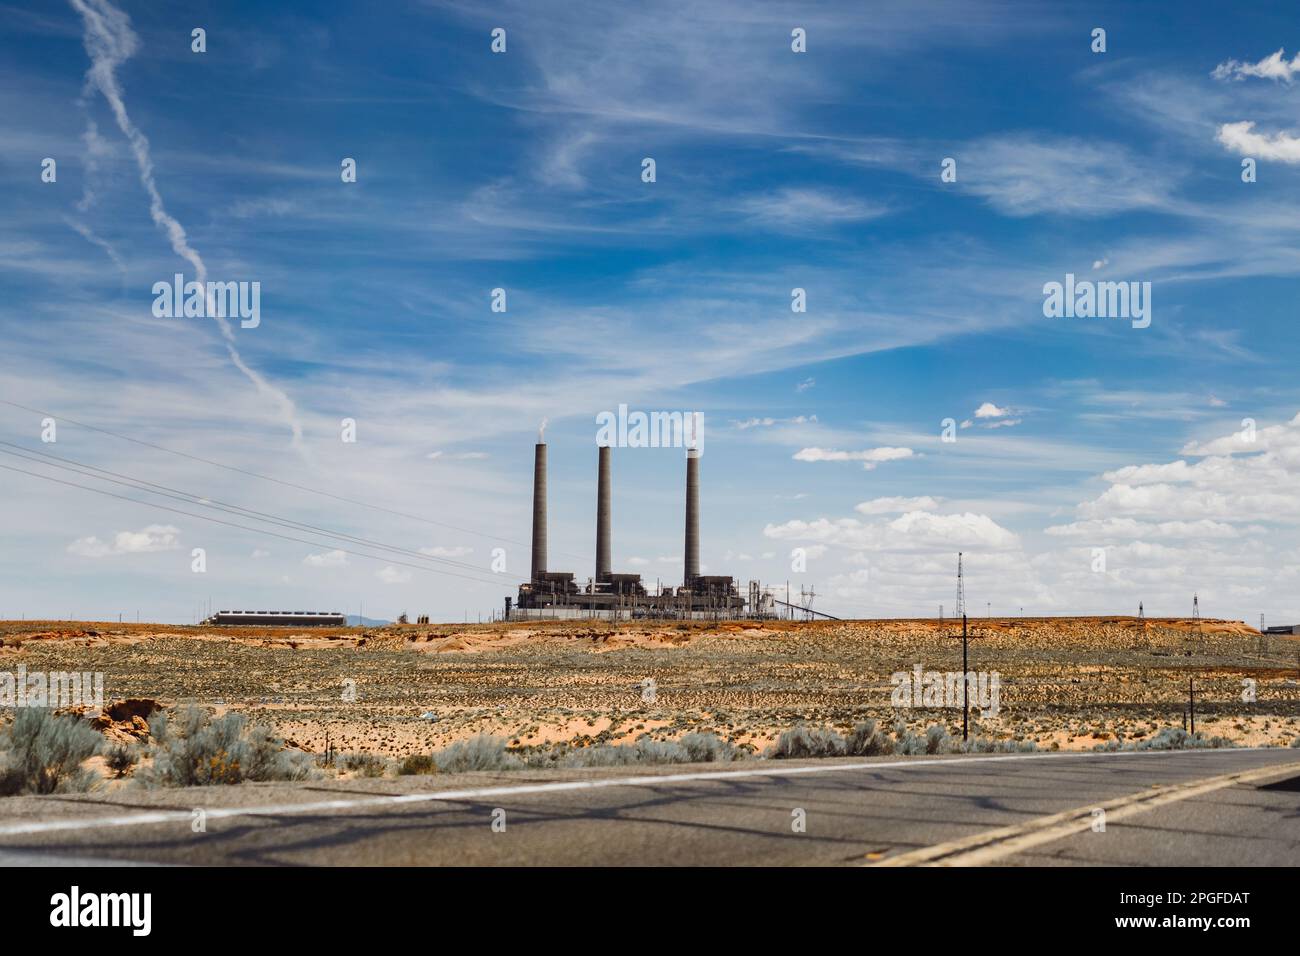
(616, 595)
(276, 619)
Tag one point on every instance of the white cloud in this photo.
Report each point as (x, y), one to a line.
(440, 552)
(869, 457)
(327, 559)
(1283, 439)
(748, 423)
(796, 209)
(391, 575)
(1219, 524)
(260, 553)
(1242, 139)
(1234, 480)
(884, 506)
(1110, 528)
(154, 537)
(459, 456)
(1274, 67)
(805, 385)
(997, 417)
(90, 547)
(912, 531)
(1024, 175)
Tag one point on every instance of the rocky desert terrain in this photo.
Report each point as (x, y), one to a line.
(1066, 683)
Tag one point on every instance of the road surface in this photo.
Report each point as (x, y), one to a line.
(1227, 807)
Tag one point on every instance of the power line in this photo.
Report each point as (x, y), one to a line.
(231, 524)
(278, 481)
(139, 484)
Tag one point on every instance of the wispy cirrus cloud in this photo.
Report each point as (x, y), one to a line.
(800, 209)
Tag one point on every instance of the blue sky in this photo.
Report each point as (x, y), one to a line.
(774, 170)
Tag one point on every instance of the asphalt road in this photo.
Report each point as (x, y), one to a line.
(994, 810)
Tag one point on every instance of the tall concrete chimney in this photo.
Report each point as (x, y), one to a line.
(539, 511)
(692, 569)
(602, 514)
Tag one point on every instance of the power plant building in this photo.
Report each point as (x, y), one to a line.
(618, 595)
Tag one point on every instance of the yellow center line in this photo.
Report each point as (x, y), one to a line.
(990, 846)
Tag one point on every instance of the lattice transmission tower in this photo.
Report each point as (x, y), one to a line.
(961, 589)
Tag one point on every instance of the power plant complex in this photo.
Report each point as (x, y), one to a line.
(556, 594)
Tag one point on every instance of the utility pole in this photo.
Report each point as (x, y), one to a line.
(1191, 702)
(965, 682)
(965, 636)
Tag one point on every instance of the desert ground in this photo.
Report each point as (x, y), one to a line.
(394, 691)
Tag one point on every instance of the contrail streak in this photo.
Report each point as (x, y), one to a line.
(109, 42)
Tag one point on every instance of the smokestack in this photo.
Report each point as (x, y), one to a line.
(602, 514)
(539, 509)
(692, 570)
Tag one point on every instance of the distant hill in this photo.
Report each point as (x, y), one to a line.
(356, 620)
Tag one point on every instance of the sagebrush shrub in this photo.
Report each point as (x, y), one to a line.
(42, 753)
(804, 741)
(1175, 738)
(478, 753)
(193, 749)
(906, 742)
(937, 740)
(708, 748)
(867, 741)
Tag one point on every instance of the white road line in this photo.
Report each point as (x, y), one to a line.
(47, 860)
(218, 813)
(989, 846)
